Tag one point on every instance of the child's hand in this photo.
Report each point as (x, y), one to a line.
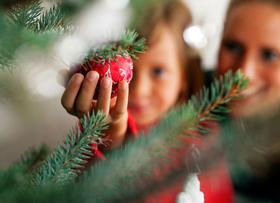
(77, 100)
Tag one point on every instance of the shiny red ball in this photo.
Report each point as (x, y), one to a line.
(118, 69)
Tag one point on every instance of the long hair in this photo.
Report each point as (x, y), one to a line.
(177, 17)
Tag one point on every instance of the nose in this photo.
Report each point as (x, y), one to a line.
(249, 66)
(140, 86)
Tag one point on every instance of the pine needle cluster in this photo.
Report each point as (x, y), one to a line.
(28, 24)
(128, 173)
(163, 149)
(31, 24)
(66, 162)
(129, 44)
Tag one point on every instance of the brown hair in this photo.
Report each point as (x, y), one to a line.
(235, 3)
(177, 17)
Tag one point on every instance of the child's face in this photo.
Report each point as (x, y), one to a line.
(251, 41)
(157, 81)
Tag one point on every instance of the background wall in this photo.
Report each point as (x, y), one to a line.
(209, 16)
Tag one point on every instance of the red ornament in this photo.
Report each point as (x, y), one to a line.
(118, 69)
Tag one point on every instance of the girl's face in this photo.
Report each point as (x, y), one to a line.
(251, 41)
(157, 81)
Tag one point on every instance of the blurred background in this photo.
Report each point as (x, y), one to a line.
(30, 109)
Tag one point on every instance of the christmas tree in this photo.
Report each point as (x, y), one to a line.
(61, 175)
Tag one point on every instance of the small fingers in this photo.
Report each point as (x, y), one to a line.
(104, 98)
(122, 100)
(86, 93)
(69, 96)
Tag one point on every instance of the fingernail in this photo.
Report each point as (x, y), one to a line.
(92, 75)
(77, 78)
(106, 82)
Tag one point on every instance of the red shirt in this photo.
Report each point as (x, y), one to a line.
(215, 183)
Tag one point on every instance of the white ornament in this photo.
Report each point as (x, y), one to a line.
(191, 193)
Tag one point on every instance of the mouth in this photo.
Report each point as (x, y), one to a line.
(252, 93)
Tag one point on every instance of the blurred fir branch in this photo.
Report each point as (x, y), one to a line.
(68, 7)
(34, 18)
(134, 165)
(129, 171)
(67, 160)
(32, 159)
(16, 176)
(28, 24)
(252, 146)
(253, 143)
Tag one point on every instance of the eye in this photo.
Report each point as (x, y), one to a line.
(233, 47)
(269, 55)
(158, 71)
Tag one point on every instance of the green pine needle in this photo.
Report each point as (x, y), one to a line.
(19, 173)
(33, 158)
(212, 103)
(129, 43)
(129, 171)
(53, 19)
(33, 17)
(25, 15)
(65, 163)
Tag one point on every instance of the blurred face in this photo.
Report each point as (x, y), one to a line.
(157, 81)
(251, 41)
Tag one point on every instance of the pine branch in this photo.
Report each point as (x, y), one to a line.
(34, 18)
(211, 104)
(128, 171)
(25, 15)
(13, 36)
(6, 63)
(53, 19)
(33, 158)
(27, 24)
(66, 162)
(129, 43)
(18, 175)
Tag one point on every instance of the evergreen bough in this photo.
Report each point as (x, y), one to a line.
(128, 173)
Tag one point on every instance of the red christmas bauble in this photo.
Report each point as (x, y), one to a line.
(118, 69)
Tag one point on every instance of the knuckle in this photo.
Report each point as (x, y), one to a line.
(83, 111)
(118, 114)
(88, 87)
